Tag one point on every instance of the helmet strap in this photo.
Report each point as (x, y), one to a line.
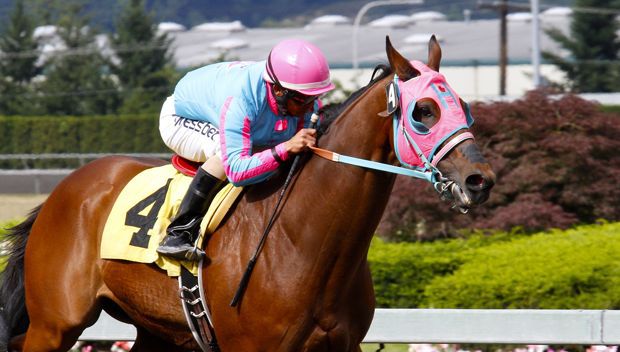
(281, 99)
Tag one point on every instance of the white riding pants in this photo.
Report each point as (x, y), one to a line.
(192, 139)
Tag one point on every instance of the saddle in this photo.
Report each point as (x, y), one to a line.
(144, 208)
(138, 221)
(184, 166)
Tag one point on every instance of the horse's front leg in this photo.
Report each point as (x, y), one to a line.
(147, 342)
(17, 343)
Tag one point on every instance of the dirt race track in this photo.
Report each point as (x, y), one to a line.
(17, 206)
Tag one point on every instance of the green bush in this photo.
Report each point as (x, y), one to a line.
(98, 134)
(573, 269)
(615, 109)
(401, 271)
(3, 230)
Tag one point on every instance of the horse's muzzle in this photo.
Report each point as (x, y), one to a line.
(475, 191)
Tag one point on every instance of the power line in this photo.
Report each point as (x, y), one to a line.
(90, 92)
(79, 51)
(524, 6)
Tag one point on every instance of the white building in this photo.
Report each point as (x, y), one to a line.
(470, 49)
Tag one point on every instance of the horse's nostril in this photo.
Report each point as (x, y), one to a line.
(476, 182)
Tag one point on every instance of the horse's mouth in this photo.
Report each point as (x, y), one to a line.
(461, 200)
(464, 199)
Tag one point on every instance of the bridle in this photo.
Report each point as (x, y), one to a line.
(447, 189)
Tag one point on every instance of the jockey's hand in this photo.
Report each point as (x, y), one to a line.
(305, 138)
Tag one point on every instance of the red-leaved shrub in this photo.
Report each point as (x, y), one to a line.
(557, 163)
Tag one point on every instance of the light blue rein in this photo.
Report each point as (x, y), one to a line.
(427, 175)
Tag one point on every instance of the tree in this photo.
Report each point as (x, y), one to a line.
(17, 61)
(18, 46)
(76, 80)
(144, 66)
(593, 44)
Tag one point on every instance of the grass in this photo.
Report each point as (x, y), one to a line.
(392, 347)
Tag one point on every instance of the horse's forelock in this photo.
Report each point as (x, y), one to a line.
(330, 112)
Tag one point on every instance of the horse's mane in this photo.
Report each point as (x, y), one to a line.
(330, 112)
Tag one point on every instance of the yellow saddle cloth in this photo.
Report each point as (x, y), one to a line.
(139, 218)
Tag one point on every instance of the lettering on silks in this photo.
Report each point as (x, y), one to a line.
(203, 127)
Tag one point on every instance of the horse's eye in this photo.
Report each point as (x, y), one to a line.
(425, 111)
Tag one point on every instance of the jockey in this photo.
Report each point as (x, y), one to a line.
(242, 119)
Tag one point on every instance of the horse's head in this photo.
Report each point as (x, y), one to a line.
(431, 129)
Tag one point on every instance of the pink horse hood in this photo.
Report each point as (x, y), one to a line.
(454, 117)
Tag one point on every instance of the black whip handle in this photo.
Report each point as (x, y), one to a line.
(243, 283)
(248, 270)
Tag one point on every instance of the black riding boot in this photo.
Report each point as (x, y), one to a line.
(184, 230)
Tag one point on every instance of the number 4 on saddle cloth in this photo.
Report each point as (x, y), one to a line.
(143, 211)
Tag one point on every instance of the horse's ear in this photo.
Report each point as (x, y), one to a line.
(434, 53)
(401, 66)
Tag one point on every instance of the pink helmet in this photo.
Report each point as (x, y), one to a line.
(300, 66)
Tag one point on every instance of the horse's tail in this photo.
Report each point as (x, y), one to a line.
(13, 315)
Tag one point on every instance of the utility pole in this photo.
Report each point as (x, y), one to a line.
(535, 7)
(502, 8)
(503, 46)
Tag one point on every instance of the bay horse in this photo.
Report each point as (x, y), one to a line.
(311, 288)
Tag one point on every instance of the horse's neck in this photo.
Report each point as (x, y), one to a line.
(360, 131)
(343, 202)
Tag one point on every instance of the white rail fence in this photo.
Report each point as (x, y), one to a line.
(515, 326)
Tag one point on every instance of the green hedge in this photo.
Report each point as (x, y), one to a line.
(611, 108)
(98, 134)
(573, 269)
(402, 271)
(3, 230)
